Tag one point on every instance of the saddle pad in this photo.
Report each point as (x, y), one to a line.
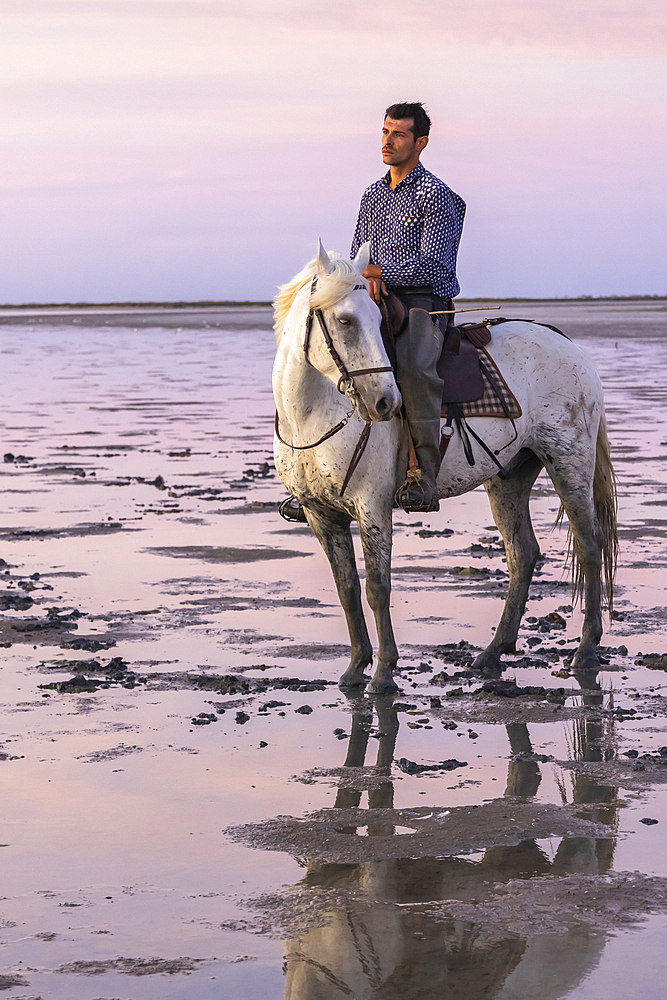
(494, 384)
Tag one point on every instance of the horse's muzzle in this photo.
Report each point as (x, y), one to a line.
(382, 407)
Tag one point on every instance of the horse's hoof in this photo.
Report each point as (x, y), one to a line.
(585, 661)
(356, 680)
(382, 686)
(489, 664)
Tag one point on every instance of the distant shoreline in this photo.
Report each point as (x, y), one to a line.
(231, 304)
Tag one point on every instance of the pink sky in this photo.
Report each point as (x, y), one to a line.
(195, 149)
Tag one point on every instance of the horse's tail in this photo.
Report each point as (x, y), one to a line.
(605, 503)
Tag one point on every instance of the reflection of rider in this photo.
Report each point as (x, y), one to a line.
(414, 222)
(372, 950)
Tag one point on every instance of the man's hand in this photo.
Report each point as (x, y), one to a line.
(376, 286)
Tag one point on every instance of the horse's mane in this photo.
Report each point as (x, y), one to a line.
(331, 288)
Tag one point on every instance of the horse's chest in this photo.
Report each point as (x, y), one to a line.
(306, 476)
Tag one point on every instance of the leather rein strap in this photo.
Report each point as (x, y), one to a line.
(345, 387)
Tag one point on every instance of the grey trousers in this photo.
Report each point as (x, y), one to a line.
(417, 354)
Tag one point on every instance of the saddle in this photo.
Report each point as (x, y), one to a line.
(458, 367)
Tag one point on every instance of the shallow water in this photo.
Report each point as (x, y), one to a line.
(149, 857)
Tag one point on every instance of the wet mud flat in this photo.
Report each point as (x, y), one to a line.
(192, 809)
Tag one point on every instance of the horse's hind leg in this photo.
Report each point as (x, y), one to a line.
(509, 504)
(336, 540)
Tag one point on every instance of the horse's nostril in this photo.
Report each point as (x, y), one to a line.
(382, 405)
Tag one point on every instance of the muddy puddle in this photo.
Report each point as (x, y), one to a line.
(193, 810)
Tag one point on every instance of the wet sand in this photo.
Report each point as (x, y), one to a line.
(190, 802)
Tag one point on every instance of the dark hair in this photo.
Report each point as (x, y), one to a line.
(421, 123)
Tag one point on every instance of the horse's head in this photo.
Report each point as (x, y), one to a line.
(336, 325)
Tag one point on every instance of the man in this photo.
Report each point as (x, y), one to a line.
(414, 223)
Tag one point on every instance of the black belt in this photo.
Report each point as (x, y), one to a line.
(411, 289)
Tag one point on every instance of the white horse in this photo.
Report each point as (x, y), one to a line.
(327, 328)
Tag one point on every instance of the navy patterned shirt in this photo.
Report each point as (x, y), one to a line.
(414, 230)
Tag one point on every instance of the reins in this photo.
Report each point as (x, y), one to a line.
(345, 387)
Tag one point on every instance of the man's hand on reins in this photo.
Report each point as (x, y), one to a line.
(376, 286)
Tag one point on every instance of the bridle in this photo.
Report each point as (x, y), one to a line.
(345, 387)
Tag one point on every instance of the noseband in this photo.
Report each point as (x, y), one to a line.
(345, 387)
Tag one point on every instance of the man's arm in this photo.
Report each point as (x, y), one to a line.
(376, 286)
(372, 273)
(435, 261)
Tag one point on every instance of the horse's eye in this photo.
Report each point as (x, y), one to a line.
(344, 321)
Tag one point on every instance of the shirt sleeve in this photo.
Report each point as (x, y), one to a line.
(435, 261)
(360, 234)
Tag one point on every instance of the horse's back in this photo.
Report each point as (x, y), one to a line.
(544, 369)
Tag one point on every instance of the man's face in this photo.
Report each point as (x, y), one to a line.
(398, 141)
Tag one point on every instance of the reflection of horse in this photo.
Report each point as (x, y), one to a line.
(372, 949)
(329, 339)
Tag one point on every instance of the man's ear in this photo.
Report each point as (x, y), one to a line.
(324, 265)
(421, 143)
(363, 256)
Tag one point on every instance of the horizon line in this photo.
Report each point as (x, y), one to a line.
(230, 303)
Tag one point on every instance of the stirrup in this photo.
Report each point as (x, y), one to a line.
(291, 510)
(412, 496)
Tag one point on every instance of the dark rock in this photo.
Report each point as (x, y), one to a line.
(304, 710)
(242, 718)
(647, 821)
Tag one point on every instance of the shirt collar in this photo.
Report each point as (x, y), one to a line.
(415, 174)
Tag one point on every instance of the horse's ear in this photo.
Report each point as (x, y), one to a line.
(324, 264)
(363, 256)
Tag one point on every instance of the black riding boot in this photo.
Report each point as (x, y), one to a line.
(417, 353)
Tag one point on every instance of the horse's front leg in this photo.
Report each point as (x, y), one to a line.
(336, 539)
(376, 536)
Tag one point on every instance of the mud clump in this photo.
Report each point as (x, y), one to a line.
(411, 767)
(133, 966)
(653, 662)
(510, 689)
(87, 643)
(205, 719)
(76, 685)
(10, 601)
